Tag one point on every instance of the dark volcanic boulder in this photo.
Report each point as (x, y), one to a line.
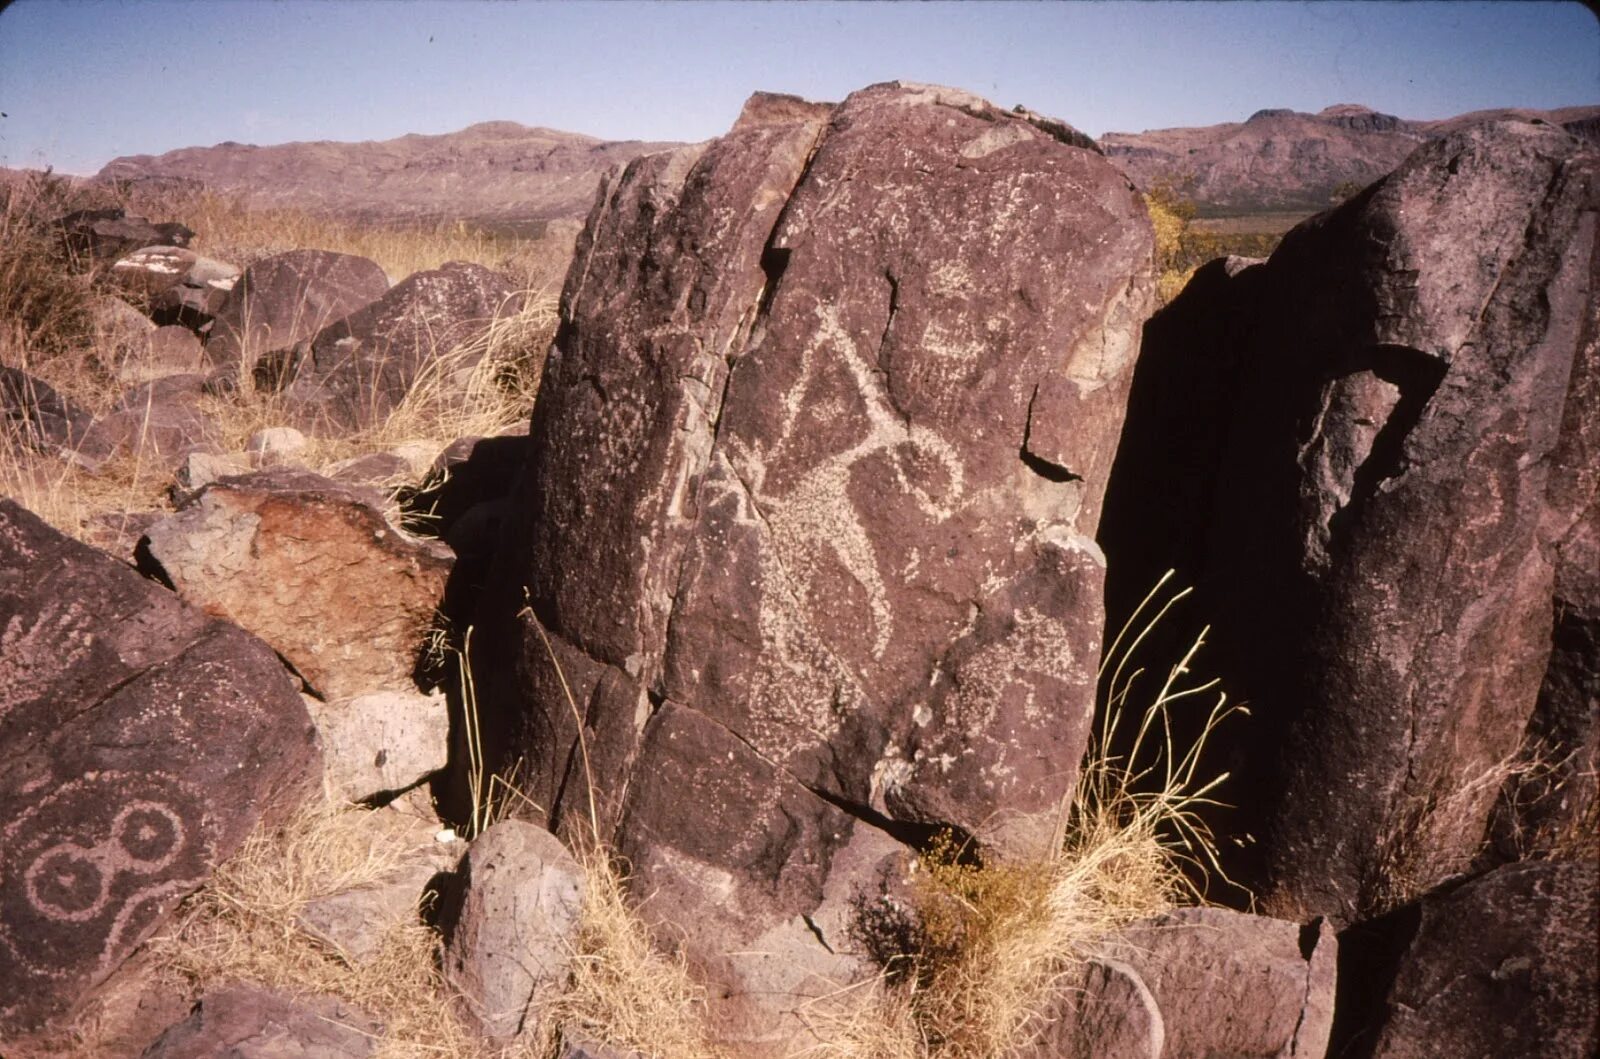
(806, 520)
(1374, 424)
(105, 235)
(143, 740)
(1507, 965)
(287, 298)
(428, 328)
(37, 415)
(312, 567)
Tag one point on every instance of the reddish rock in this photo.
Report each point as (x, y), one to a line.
(244, 1021)
(813, 473)
(313, 568)
(1507, 965)
(1375, 430)
(288, 298)
(427, 329)
(143, 741)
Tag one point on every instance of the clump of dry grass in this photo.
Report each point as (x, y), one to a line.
(244, 925)
(625, 992)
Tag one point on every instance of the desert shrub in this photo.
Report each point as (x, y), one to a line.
(45, 301)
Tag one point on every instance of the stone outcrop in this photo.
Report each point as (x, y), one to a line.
(513, 941)
(243, 1021)
(288, 298)
(806, 521)
(426, 331)
(1200, 982)
(39, 416)
(143, 741)
(1505, 965)
(177, 285)
(1365, 428)
(313, 568)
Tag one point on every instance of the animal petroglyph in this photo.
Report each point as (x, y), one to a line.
(814, 527)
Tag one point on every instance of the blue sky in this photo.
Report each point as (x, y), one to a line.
(83, 82)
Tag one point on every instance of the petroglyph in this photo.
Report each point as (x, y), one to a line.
(80, 880)
(54, 640)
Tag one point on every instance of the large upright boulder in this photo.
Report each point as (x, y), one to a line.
(428, 329)
(288, 298)
(1368, 453)
(806, 526)
(143, 740)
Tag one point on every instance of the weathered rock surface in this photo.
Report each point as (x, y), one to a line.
(105, 235)
(382, 741)
(176, 284)
(1368, 449)
(143, 741)
(288, 298)
(513, 941)
(426, 331)
(312, 567)
(252, 1022)
(1507, 965)
(813, 473)
(167, 350)
(1110, 1014)
(1227, 983)
(39, 416)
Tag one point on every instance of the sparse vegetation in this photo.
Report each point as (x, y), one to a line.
(52, 328)
(1184, 243)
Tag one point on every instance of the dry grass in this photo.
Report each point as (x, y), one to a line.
(49, 329)
(997, 942)
(244, 925)
(229, 229)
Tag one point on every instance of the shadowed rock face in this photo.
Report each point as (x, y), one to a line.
(806, 522)
(1505, 965)
(142, 740)
(1376, 557)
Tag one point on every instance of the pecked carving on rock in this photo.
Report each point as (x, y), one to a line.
(1375, 430)
(143, 740)
(807, 520)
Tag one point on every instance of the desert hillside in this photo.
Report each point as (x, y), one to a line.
(495, 171)
(1285, 161)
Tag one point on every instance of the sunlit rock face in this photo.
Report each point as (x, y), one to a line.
(806, 528)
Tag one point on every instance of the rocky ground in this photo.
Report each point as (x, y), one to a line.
(757, 689)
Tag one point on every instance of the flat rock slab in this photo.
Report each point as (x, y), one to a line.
(1231, 984)
(143, 741)
(382, 741)
(252, 1022)
(312, 567)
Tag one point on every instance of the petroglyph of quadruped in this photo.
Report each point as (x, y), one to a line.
(142, 739)
(814, 472)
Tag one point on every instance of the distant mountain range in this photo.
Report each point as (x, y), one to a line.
(1284, 161)
(509, 174)
(496, 171)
